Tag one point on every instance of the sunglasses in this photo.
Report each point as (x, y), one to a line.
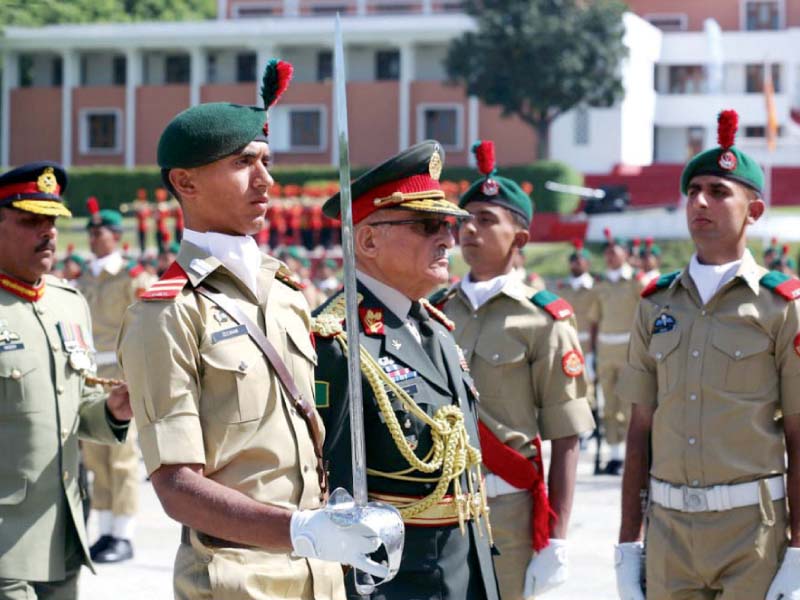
(428, 227)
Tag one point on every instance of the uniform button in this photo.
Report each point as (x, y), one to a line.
(695, 353)
(659, 355)
(54, 348)
(495, 357)
(60, 389)
(64, 434)
(305, 468)
(474, 315)
(692, 441)
(695, 482)
(243, 366)
(66, 475)
(692, 396)
(15, 374)
(702, 312)
(39, 310)
(738, 353)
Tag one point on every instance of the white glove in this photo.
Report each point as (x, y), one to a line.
(315, 534)
(786, 585)
(548, 569)
(628, 565)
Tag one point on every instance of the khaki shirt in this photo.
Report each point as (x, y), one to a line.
(716, 379)
(581, 300)
(109, 295)
(45, 406)
(613, 307)
(515, 351)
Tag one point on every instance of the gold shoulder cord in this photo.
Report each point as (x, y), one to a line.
(451, 451)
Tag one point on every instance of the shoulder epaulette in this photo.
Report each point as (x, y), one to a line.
(168, 286)
(555, 305)
(440, 297)
(785, 286)
(329, 318)
(659, 284)
(286, 277)
(437, 314)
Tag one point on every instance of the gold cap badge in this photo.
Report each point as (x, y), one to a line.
(435, 165)
(47, 182)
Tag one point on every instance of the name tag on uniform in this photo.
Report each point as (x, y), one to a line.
(226, 334)
(10, 347)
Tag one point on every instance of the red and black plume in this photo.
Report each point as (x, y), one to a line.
(92, 205)
(727, 124)
(578, 243)
(608, 236)
(277, 75)
(484, 155)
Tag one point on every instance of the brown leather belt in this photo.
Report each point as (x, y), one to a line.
(210, 540)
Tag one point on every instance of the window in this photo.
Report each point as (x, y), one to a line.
(253, 11)
(451, 6)
(324, 65)
(329, 9)
(246, 67)
(442, 122)
(306, 129)
(754, 78)
(100, 131)
(176, 69)
(687, 79)
(58, 71)
(759, 131)
(695, 136)
(25, 66)
(119, 70)
(762, 15)
(211, 68)
(389, 8)
(668, 21)
(581, 127)
(387, 65)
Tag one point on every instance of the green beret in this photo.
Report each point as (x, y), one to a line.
(106, 218)
(77, 259)
(495, 189)
(726, 160)
(208, 132)
(409, 181)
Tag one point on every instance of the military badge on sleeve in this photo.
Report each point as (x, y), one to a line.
(572, 364)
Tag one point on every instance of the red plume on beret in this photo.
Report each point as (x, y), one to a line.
(92, 206)
(578, 243)
(774, 241)
(276, 79)
(484, 154)
(648, 243)
(785, 250)
(70, 248)
(607, 233)
(727, 124)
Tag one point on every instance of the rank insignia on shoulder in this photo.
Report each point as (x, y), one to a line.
(168, 286)
(664, 323)
(555, 305)
(659, 284)
(440, 297)
(572, 364)
(462, 360)
(372, 320)
(286, 277)
(785, 286)
(437, 314)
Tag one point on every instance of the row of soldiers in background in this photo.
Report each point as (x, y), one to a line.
(299, 222)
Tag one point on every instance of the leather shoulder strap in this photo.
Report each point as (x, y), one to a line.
(280, 368)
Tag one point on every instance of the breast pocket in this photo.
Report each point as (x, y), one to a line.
(663, 349)
(743, 361)
(235, 381)
(17, 385)
(503, 367)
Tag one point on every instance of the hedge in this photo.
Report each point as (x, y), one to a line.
(117, 185)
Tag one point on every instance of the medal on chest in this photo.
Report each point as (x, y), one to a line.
(76, 346)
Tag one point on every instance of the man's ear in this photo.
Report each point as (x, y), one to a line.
(365, 242)
(521, 238)
(183, 182)
(755, 210)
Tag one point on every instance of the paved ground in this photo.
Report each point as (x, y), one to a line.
(593, 530)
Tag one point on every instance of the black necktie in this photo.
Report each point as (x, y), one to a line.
(428, 338)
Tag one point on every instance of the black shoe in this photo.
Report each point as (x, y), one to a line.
(118, 550)
(613, 467)
(101, 544)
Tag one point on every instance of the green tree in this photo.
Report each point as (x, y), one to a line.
(32, 13)
(537, 59)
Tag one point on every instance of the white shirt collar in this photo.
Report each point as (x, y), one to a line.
(397, 302)
(110, 262)
(582, 281)
(480, 292)
(239, 253)
(709, 278)
(624, 272)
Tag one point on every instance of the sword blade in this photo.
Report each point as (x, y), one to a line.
(351, 300)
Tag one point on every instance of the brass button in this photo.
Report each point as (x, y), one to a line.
(738, 353)
(695, 353)
(16, 374)
(692, 441)
(659, 355)
(54, 348)
(64, 434)
(60, 389)
(495, 357)
(692, 396)
(66, 475)
(243, 366)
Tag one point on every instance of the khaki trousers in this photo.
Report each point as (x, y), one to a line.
(116, 474)
(727, 555)
(64, 589)
(611, 360)
(511, 528)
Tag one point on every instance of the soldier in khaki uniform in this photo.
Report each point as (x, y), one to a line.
(226, 423)
(615, 298)
(714, 366)
(46, 402)
(523, 352)
(577, 289)
(110, 286)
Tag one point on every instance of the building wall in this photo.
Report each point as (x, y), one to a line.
(155, 107)
(101, 97)
(726, 12)
(298, 94)
(373, 112)
(36, 126)
(434, 92)
(515, 140)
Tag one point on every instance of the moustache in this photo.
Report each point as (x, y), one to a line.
(46, 245)
(441, 252)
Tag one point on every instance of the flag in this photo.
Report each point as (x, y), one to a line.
(771, 129)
